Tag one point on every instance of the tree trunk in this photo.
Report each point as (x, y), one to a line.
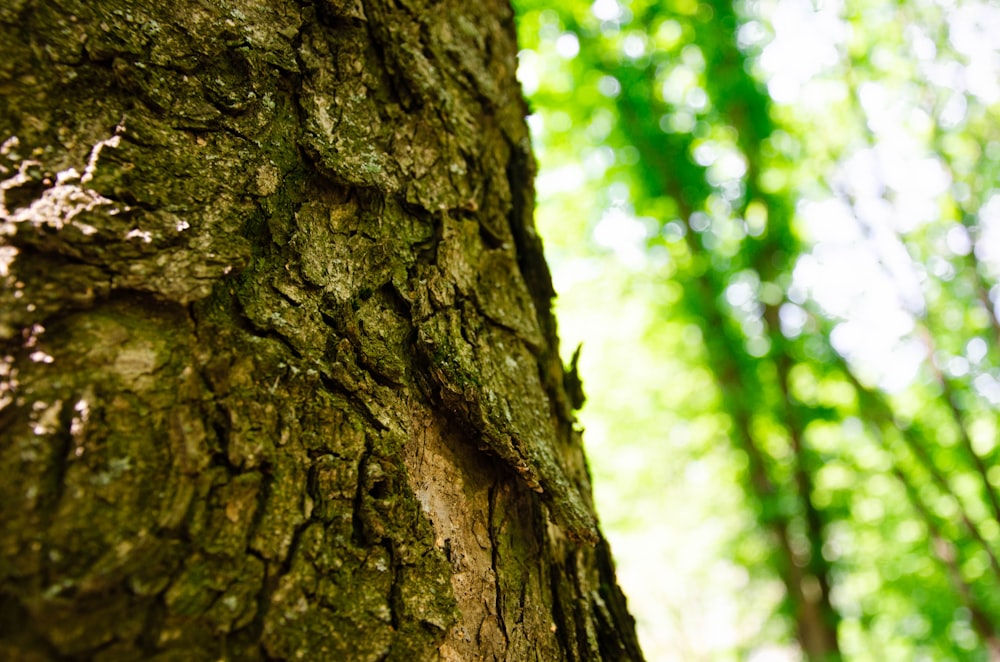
(280, 377)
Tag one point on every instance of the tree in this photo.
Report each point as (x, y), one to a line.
(280, 377)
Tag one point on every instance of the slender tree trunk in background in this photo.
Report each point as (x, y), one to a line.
(279, 375)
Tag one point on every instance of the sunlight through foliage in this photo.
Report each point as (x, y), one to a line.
(775, 228)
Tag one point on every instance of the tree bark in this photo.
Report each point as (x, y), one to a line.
(280, 377)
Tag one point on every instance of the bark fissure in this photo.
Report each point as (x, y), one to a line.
(496, 569)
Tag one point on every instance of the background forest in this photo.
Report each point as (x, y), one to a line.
(775, 227)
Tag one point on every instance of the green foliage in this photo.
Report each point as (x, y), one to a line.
(786, 301)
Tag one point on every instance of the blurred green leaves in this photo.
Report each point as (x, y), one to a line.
(775, 227)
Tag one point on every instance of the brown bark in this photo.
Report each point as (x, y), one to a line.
(279, 374)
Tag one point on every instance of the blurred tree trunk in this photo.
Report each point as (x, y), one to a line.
(280, 378)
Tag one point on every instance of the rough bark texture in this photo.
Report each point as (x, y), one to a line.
(279, 374)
